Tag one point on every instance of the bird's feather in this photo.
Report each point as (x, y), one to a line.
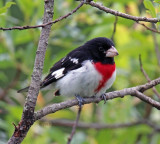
(71, 62)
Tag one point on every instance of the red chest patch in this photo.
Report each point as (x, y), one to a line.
(106, 70)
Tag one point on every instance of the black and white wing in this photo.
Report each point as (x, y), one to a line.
(72, 61)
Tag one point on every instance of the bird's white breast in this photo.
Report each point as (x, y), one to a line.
(83, 81)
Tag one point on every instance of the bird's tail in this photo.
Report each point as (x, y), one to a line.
(23, 90)
(27, 88)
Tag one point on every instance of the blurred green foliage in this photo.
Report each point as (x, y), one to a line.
(17, 54)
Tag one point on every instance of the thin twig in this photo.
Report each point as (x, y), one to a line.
(45, 24)
(148, 28)
(74, 126)
(98, 126)
(114, 29)
(147, 99)
(142, 70)
(147, 77)
(156, 45)
(123, 15)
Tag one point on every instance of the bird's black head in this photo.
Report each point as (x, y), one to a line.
(102, 49)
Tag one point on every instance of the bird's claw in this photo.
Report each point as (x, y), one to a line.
(103, 96)
(80, 100)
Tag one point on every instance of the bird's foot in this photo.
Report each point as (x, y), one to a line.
(103, 96)
(80, 100)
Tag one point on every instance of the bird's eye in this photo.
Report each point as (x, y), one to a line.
(100, 48)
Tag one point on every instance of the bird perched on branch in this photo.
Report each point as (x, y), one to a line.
(89, 70)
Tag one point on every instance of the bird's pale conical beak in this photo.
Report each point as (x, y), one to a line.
(112, 52)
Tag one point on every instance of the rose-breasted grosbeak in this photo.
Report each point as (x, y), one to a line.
(89, 70)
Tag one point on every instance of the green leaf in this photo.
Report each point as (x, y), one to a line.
(149, 5)
(6, 7)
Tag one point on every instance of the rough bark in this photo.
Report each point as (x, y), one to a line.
(28, 112)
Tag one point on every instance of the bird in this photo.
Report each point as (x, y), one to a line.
(88, 70)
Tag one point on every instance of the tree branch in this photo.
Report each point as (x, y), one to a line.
(114, 28)
(148, 28)
(44, 24)
(74, 126)
(111, 95)
(28, 112)
(147, 77)
(147, 99)
(156, 45)
(98, 126)
(123, 15)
